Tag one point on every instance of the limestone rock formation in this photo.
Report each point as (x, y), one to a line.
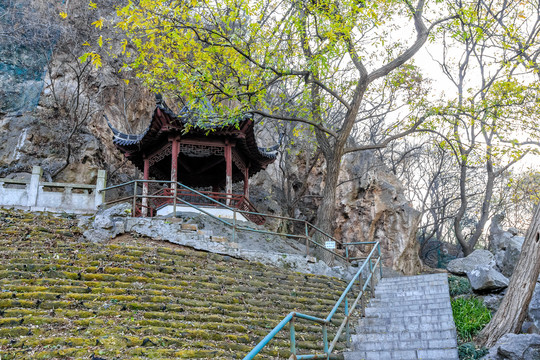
(372, 206)
(51, 105)
(511, 255)
(199, 232)
(534, 308)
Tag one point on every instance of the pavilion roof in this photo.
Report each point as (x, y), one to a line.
(187, 125)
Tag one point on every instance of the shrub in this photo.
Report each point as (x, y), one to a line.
(458, 285)
(468, 351)
(470, 316)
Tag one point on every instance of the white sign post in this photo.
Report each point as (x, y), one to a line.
(330, 244)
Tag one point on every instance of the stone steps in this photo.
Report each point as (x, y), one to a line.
(131, 298)
(409, 318)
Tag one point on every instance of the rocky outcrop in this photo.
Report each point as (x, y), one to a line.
(511, 255)
(203, 233)
(51, 105)
(372, 206)
(467, 264)
(505, 245)
(516, 347)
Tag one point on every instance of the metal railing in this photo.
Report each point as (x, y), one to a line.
(313, 237)
(371, 263)
(176, 195)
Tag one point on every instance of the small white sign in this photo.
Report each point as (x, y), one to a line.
(330, 244)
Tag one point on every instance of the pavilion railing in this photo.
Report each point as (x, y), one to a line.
(317, 243)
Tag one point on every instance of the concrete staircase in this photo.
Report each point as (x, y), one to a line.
(409, 318)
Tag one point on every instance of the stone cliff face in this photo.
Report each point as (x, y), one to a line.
(52, 105)
(374, 208)
(370, 206)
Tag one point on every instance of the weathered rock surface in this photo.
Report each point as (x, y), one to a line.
(511, 255)
(497, 235)
(373, 207)
(505, 245)
(464, 265)
(486, 278)
(268, 250)
(516, 347)
(492, 301)
(23, 55)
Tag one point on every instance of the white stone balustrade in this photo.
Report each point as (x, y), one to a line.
(37, 195)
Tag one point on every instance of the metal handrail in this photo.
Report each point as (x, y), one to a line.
(290, 318)
(327, 350)
(234, 225)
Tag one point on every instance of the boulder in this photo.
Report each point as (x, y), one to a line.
(493, 301)
(511, 255)
(477, 258)
(107, 223)
(516, 347)
(486, 278)
(497, 236)
(499, 259)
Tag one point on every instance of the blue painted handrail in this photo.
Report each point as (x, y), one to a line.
(290, 318)
(327, 351)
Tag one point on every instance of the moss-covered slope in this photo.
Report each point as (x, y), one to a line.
(62, 298)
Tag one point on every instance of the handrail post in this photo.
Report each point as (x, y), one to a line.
(293, 339)
(371, 279)
(325, 338)
(234, 226)
(362, 299)
(175, 187)
(307, 238)
(380, 260)
(134, 204)
(347, 329)
(347, 253)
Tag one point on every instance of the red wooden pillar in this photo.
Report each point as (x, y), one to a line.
(175, 150)
(228, 170)
(246, 182)
(146, 176)
(174, 160)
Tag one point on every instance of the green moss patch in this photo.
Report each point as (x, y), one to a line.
(64, 298)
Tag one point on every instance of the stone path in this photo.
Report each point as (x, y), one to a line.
(409, 318)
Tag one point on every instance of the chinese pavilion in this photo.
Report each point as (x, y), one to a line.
(181, 148)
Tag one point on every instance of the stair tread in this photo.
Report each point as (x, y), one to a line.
(409, 318)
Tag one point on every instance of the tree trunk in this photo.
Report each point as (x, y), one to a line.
(511, 314)
(327, 209)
